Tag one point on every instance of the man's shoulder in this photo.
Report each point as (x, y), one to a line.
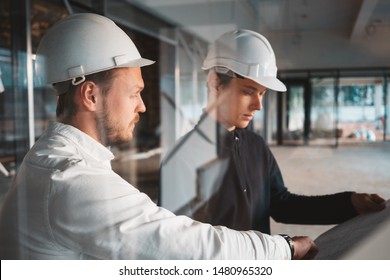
(52, 150)
(251, 135)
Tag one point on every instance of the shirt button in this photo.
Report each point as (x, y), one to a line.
(236, 138)
(244, 189)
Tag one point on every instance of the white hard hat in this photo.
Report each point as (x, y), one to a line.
(83, 44)
(248, 54)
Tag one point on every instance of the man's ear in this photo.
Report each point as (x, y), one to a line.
(89, 93)
(213, 83)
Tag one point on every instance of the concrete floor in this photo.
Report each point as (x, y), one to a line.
(360, 167)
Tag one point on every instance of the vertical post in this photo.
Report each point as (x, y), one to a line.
(336, 107)
(266, 125)
(280, 112)
(30, 77)
(386, 101)
(195, 92)
(177, 85)
(22, 78)
(307, 111)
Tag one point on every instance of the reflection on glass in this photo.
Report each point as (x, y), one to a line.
(217, 172)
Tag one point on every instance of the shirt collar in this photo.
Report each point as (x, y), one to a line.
(82, 140)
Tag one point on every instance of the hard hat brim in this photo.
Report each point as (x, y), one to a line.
(270, 83)
(140, 62)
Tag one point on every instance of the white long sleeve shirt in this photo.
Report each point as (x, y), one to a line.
(67, 203)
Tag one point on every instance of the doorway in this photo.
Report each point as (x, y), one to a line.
(294, 117)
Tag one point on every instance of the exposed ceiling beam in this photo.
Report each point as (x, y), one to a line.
(363, 18)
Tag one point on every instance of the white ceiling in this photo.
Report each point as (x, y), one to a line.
(359, 28)
(354, 17)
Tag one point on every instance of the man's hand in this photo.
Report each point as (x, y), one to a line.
(304, 248)
(367, 203)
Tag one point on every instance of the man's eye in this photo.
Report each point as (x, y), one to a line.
(246, 92)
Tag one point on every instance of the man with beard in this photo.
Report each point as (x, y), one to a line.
(67, 203)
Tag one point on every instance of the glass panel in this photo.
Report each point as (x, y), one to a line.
(167, 95)
(323, 112)
(295, 115)
(184, 98)
(186, 105)
(7, 132)
(43, 15)
(192, 96)
(271, 113)
(361, 109)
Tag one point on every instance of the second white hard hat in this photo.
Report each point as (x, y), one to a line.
(83, 44)
(248, 54)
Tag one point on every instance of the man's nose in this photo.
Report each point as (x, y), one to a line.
(258, 103)
(141, 105)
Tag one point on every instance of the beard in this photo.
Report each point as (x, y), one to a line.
(111, 132)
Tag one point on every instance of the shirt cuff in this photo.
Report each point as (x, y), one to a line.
(283, 246)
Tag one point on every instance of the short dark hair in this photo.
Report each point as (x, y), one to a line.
(66, 107)
(225, 78)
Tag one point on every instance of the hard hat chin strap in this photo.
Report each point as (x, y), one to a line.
(77, 72)
(76, 82)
